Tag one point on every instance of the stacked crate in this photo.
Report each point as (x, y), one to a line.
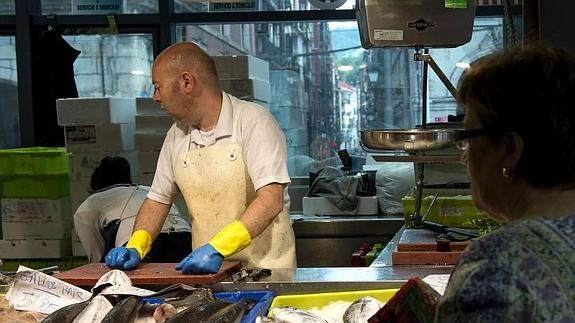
(35, 203)
(245, 77)
(152, 124)
(95, 128)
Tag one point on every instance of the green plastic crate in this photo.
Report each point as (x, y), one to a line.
(34, 186)
(33, 161)
(453, 210)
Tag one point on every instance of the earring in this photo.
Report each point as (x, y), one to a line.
(506, 172)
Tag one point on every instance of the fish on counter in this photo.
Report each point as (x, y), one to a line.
(124, 311)
(66, 314)
(361, 310)
(96, 310)
(294, 315)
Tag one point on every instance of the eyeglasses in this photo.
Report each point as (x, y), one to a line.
(463, 136)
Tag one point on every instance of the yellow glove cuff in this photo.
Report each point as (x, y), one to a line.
(141, 241)
(231, 239)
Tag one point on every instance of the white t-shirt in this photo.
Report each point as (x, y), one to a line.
(119, 202)
(262, 141)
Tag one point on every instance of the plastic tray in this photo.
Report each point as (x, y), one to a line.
(34, 161)
(308, 301)
(263, 299)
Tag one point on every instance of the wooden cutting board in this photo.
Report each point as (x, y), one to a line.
(425, 257)
(146, 274)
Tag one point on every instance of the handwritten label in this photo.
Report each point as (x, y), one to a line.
(38, 292)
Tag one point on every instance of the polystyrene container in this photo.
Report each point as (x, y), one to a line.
(263, 299)
(308, 301)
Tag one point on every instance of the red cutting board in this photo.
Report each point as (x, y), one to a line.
(424, 240)
(146, 274)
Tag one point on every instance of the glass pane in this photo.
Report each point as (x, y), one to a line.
(181, 6)
(9, 122)
(325, 87)
(7, 7)
(66, 7)
(113, 65)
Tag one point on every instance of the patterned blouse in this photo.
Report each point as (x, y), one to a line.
(523, 272)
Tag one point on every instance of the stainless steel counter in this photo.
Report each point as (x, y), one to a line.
(317, 280)
(329, 241)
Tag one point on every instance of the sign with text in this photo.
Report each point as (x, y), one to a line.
(96, 7)
(38, 292)
(249, 5)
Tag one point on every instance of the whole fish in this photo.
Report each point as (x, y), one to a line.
(264, 319)
(295, 315)
(164, 312)
(361, 310)
(112, 277)
(125, 311)
(199, 313)
(66, 314)
(197, 296)
(230, 314)
(98, 307)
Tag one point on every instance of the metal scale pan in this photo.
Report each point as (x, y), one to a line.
(409, 140)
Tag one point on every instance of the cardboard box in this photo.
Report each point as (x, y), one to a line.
(83, 164)
(147, 106)
(242, 67)
(247, 89)
(156, 123)
(91, 111)
(23, 249)
(103, 138)
(35, 210)
(149, 141)
(36, 230)
(147, 161)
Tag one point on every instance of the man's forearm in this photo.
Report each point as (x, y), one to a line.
(264, 209)
(151, 217)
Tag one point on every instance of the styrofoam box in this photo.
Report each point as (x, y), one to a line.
(78, 249)
(149, 141)
(104, 137)
(90, 111)
(36, 230)
(247, 89)
(83, 164)
(35, 210)
(31, 248)
(243, 66)
(321, 206)
(74, 235)
(79, 191)
(147, 106)
(154, 123)
(146, 178)
(147, 161)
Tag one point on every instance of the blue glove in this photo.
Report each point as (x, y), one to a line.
(123, 258)
(204, 260)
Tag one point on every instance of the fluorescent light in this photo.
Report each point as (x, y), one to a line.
(344, 68)
(462, 65)
(137, 72)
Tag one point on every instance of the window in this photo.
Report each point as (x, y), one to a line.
(113, 65)
(320, 106)
(9, 123)
(7, 7)
(65, 7)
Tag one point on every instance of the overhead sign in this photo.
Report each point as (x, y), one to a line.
(96, 7)
(249, 5)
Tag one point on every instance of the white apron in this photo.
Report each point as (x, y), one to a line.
(217, 189)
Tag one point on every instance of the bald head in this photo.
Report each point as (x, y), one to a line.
(189, 57)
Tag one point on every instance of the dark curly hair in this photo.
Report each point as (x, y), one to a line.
(111, 171)
(531, 91)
